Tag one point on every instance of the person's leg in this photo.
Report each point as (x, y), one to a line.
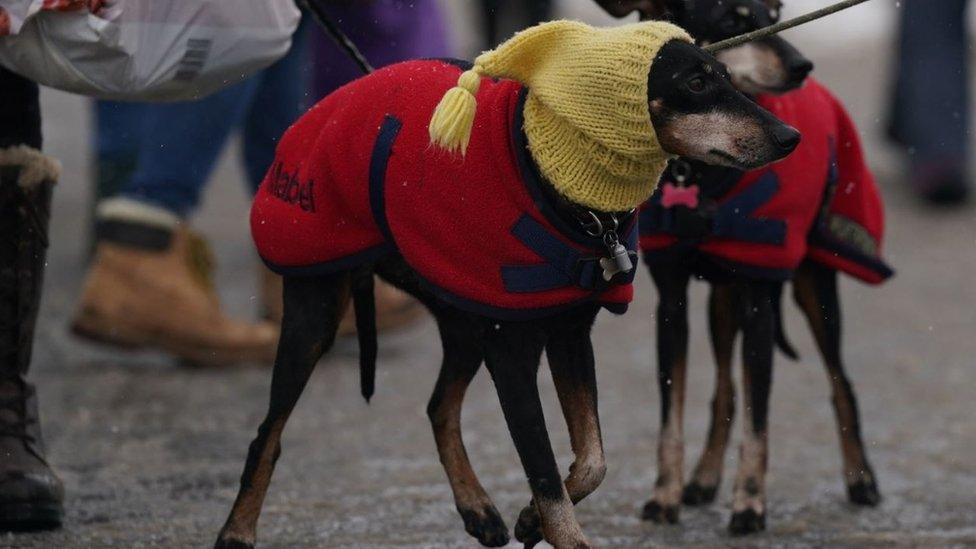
(31, 494)
(118, 133)
(150, 282)
(931, 105)
(118, 128)
(181, 144)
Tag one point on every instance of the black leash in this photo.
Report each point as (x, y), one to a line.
(334, 32)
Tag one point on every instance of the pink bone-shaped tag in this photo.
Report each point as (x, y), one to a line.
(673, 195)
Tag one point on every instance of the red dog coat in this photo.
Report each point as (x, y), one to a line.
(821, 202)
(356, 179)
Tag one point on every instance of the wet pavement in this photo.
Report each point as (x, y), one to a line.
(151, 452)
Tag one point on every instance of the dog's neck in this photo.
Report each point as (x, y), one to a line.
(573, 213)
(570, 213)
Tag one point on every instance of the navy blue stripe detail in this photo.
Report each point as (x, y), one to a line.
(329, 267)
(380, 159)
(565, 265)
(732, 219)
(533, 278)
(561, 260)
(533, 182)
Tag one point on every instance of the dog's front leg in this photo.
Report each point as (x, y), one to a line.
(704, 483)
(757, 320)
(815, 290)
(512, 355)
(572, 364)
(462, 359)
(313, 307)
(672, 349)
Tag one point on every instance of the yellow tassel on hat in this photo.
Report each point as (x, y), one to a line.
(450, 127)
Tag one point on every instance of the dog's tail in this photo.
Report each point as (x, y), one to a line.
(364, 305)
(782, 341)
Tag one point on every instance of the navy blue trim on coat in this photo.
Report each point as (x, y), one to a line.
(368, 255)
(378, 163)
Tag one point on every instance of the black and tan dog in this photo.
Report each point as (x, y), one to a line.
(689, 236)
(681, 81)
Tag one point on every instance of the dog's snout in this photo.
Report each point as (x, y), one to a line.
(785, 137)
(799, 68)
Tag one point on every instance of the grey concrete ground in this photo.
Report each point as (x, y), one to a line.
(151, 452)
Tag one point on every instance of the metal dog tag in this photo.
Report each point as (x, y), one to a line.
(619, 262)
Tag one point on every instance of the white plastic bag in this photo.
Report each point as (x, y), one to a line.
(143, 50)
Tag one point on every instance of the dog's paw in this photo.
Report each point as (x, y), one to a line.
(696, 494)
(655, 512)
(232, 544)
(864, 492)
(747, 522)
(486, 525)
(528, 529)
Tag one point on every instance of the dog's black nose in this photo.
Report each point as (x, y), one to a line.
(785, 137)
(799, 68)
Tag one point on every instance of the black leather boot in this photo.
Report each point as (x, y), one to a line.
(31, 495)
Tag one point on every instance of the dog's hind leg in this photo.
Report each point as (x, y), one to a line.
(705, 480)
(815, 290)
(313, 307)
(462, 359)
(573, 368)
(512, 354)
(672, 350)
(758, 334)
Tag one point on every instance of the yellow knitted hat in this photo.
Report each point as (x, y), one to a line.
(586, 115)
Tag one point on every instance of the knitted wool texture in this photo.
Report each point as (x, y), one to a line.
(586, 118)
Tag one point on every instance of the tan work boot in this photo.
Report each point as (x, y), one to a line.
(394, 309)
(149, 287)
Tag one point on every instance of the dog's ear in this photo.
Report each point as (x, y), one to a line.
(648, 9)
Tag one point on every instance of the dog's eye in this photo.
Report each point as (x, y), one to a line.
(697, 85)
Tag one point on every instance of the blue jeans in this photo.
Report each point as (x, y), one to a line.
(175, 146)
(930, 114)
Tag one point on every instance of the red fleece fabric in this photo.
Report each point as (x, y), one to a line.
(451, 217)
(826, 197)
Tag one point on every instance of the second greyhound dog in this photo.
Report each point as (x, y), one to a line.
(746, 234)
